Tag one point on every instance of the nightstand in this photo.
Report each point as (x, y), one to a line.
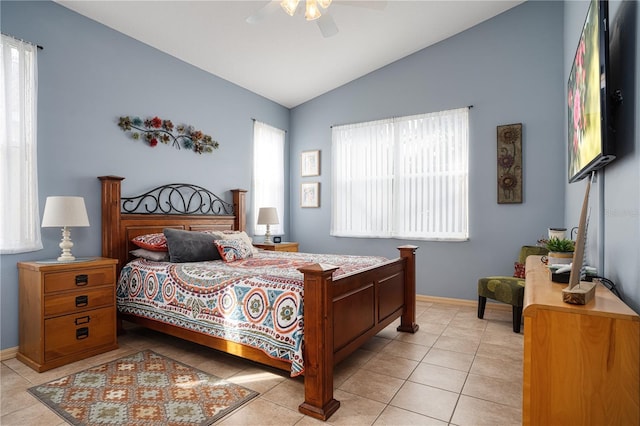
(278, 247)
(67, 311)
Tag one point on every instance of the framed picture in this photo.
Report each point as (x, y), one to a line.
(310, 194)
(310, 163)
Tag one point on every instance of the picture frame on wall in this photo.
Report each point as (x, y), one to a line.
(310, 194)
(310, 163)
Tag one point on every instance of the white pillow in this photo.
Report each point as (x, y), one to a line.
(240, 235)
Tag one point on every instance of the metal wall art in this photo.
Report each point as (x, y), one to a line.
(154, 130)
(510, 164)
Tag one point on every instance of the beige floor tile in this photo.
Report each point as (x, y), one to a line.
(505, 392)
(288, 393)
(457, 344)
(467, 333)
(262, 412)
(405, 350)
(33, 414)
(421, 337)
(258, 379)
(394, 416)
(393, 366)
(439, 377)
(434, 328)
(426, 400)
(368, 384)
(501, 351)
(500, 368)
(476, 412)
(456, 360)
(355, 410)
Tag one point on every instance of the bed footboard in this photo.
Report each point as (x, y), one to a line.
(341, 314)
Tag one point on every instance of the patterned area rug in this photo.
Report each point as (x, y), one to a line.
(142, 389)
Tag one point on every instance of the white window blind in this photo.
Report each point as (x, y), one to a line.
(402, 178)
(268, 174)
(19, 212)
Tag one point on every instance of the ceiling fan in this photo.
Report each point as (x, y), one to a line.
(315, 10)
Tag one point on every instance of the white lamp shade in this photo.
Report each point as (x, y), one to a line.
(64, 211)
(268, 216)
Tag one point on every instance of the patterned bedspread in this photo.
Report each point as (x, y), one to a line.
(255, 301)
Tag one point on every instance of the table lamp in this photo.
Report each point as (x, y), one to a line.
(268, 216)
(65, 212)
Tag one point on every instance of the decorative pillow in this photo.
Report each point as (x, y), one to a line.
(518, 270)
(190, 246)
(157, 256)
(153, 242)
(233, 249)
(240, 235)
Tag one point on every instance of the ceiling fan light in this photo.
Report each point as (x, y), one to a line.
(312, 11)
(324, 3)
(289, 6)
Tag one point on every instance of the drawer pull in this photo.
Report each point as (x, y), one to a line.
(82, 333)
(82, 301)
(83, 320)
(82, 280)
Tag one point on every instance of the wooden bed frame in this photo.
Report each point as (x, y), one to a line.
(339, 314)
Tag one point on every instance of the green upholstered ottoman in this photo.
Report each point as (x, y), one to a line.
(507, 289)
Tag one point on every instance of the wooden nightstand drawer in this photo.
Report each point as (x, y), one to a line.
(75, 279)
(69, 334)
(72, 302)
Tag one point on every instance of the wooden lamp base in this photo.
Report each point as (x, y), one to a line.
(581, 294)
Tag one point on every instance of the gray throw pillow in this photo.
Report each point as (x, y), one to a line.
(190, 246)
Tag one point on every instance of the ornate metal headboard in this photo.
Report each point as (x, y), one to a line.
(180, 206)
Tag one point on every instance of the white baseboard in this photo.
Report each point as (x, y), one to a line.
(462, 302)
(8, 353)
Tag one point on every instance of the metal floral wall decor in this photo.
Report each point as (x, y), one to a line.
(510, 164)
(154, 130)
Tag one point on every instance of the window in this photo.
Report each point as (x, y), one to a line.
(19, 213)
(402, 178)
(268, 174)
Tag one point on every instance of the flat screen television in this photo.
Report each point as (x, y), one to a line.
(590, 139)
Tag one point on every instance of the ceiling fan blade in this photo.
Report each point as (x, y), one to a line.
(263, 12)
(327, 25)
(372, 4)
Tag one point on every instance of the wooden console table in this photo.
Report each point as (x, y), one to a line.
(581, 363)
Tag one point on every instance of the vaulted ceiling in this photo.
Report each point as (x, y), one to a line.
(286, 58)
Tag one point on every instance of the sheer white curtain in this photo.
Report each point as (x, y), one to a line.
(268, 174)
(19, 213)
(402, 178)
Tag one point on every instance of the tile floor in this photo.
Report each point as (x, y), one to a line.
(456, 370)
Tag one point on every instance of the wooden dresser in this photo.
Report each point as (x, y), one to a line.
(290, 246)
(581, 363)
(67, 311)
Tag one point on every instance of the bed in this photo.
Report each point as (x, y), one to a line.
(343, 308)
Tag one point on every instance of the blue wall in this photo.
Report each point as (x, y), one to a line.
(89, 75)
(510, 68)
(614, 224)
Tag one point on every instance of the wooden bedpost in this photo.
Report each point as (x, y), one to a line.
(111, 243)
(408, 320)
(318, 342)
(240, 209)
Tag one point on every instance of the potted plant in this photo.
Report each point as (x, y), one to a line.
(560, 251)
